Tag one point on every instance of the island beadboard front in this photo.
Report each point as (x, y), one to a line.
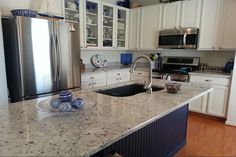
(163, 137)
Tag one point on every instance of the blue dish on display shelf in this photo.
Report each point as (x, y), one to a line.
(91, 6)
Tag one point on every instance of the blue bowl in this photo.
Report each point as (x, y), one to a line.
(65, 107)
(24, 12)
(78, 103)
(55, 103)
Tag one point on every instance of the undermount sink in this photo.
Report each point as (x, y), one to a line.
(128, 90)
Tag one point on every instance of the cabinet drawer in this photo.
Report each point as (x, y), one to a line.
(94, 76)
(210, 80)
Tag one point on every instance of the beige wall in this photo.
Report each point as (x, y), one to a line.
(3, 82)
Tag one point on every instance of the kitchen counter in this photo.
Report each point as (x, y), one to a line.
(211, 73)
(26, 131)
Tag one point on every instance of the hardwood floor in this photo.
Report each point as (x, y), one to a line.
(208, 136)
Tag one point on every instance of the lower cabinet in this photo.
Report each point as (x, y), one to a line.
(98, 79)
(92, 80)
(216, 102)
(118, 76)
(161, 138)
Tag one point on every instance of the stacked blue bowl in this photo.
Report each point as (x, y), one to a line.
(24, 12)
(65, 96)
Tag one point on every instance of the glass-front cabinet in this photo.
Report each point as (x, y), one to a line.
(108, 31)
(122, 28)
(72, 11)
(92, 27)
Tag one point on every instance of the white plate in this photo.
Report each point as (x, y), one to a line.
(99, 61)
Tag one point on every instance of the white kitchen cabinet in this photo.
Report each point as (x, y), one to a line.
(92, 80)
(191, 13)
(3, 87)
(228, 40)
(200, 104)
(118, 76)
(92, 26)
(134, 28)
(171, 15)
(139, 75)
(108, 26)
(217, 101)
(150, 26)
(210, 28)
(122, 28)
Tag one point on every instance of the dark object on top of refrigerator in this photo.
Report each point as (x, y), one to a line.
(229, 66)
(42, 57)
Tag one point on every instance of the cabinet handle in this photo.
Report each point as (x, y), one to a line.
(91, 77)
(208, 80)
(213, 47)
(220, 48)
(140, 73)
(118, 74)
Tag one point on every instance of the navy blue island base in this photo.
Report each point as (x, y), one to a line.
(161, 138)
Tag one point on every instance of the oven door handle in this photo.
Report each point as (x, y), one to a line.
(184, 38)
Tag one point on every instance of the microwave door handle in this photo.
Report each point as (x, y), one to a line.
(184, 38)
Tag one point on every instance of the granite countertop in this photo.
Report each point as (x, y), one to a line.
(211, 73)
(26, 131)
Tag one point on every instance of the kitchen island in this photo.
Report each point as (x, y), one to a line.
(26, 131)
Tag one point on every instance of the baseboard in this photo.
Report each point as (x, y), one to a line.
(232, 123)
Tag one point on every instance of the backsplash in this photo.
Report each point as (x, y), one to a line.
(212, 58)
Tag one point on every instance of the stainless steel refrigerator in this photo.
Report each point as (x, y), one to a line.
(42, 56)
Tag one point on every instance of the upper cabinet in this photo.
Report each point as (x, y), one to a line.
(181, 14)
(92, 14)
(191, 13)
(134, 28)
(122, 27)
(108, 26)
(210, 29)
(150, 26)
(228, 40)
(171, 15)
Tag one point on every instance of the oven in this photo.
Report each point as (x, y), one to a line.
(177, 68)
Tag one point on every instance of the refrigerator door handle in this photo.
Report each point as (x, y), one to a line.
(54, 58)
(58, 51)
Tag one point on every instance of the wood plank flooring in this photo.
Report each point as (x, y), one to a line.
(208, 136)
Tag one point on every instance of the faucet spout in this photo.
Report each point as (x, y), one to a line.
(148, 85)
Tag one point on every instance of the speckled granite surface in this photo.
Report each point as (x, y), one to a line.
(26, 131)
(212, 74)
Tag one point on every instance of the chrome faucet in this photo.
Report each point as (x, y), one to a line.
(148, 85)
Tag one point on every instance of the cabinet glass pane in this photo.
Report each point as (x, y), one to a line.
(121, 32)
(91, 24)
(107, 26)
(72, 10)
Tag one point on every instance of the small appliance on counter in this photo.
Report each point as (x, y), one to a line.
(126, 58)
(229, 66)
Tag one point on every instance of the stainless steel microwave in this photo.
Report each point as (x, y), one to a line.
(183, 38)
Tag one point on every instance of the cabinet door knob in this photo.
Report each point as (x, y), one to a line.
(213, 47)
(118, 74)
(91, 77)
(208, 80)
